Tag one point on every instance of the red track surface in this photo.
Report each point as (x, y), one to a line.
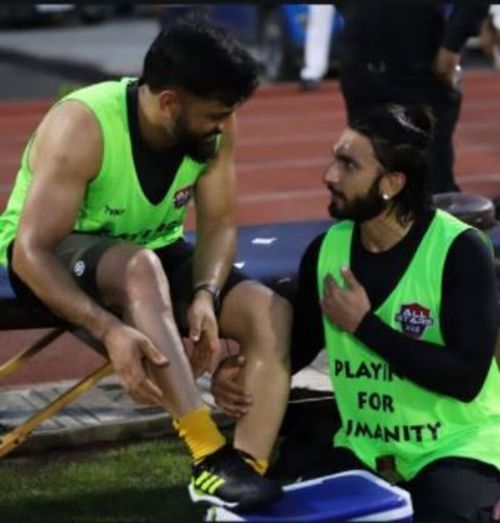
(284, 143)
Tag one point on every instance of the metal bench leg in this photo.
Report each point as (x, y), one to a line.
(14, 363)
(15, 437)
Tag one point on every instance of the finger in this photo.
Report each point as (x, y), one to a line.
(232, 366)
(151, 390)
(194, 321)
(235, 411)
(331, 287)
(140, 384)
(210, 337)
(141, 395)
(232, 394)
(349, 277)
(239, 400)
(153, 354)
(210, 333)
(234, 388)
(330, 292)
(326, 309)
(330, 281)
(199, 361)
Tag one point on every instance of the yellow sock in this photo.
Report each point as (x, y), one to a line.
(200, 433)
(259, 465)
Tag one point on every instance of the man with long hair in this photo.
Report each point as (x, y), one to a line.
(403, 297)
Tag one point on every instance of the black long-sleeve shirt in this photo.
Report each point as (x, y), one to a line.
(405, 32)
(469, 312)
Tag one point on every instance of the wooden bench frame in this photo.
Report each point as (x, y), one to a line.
(15, 437)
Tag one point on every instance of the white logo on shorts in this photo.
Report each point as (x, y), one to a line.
(79, 268)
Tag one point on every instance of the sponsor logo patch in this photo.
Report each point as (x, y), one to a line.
(414, 319)
(182, 196)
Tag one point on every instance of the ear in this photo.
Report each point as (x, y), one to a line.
(392, 184)
(169, 104)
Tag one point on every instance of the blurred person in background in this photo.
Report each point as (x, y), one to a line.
(490, 35)
(408, 53)
(317, 45)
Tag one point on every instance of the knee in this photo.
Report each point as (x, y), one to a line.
(144, 276)
(265, 320)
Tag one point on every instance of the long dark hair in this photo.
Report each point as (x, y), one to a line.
(401, 136)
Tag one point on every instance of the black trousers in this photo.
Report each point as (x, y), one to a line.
(363, 87)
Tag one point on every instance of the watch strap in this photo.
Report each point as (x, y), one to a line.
(211, 289)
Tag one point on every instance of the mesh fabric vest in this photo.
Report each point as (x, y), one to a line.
(114, 204)
(383, 413)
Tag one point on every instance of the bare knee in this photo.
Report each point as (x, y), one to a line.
(256, 316)
(145, 278)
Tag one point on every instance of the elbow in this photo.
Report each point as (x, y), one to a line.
(468, 395)
(19, 256)
(470, 388)
(23, 257)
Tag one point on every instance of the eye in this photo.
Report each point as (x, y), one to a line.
(217, 118)
(347, 163)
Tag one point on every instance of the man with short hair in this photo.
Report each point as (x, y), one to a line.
(93, 231)
(403, 296)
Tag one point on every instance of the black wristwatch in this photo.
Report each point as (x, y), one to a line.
(212, 289)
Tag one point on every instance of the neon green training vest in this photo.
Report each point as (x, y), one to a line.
(382, 413)
(114, 204)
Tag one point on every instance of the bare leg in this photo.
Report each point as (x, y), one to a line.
(260, 321)
(133, 280)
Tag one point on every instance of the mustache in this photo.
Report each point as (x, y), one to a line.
(335, 191)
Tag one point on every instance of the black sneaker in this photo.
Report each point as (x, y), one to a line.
(224, 479)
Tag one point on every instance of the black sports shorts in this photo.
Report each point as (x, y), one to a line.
(80, 254)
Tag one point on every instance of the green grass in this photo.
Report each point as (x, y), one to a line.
(137, 483)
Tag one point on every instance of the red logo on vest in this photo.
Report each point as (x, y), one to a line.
(182, 196)
(414, 319)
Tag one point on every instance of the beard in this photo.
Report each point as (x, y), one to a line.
(199, 147)
(361, 208)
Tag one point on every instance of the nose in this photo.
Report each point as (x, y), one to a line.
(331, 174)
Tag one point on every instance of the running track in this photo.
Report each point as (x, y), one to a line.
(283, 146)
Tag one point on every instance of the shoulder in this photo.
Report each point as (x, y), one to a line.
(311, 253)
(474, 240)
(69, 135)
(469, 251)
